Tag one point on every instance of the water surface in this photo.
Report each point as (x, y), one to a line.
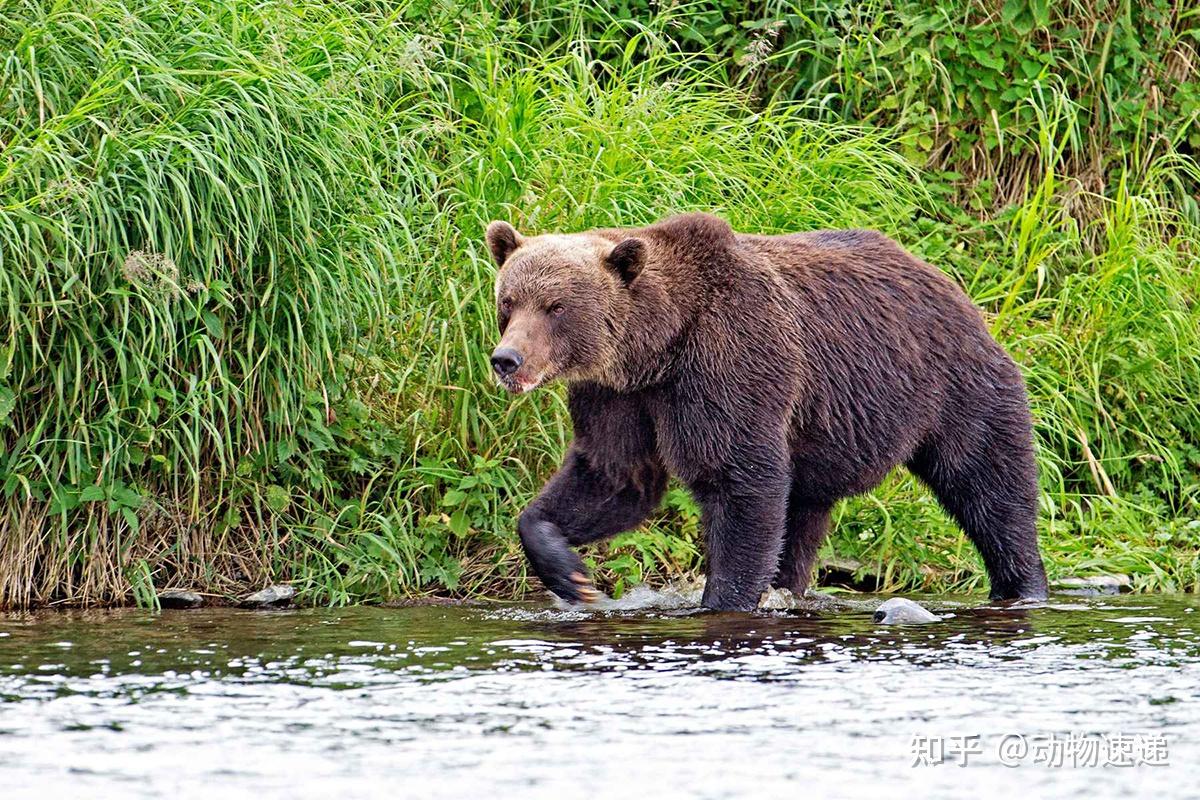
(531, 701)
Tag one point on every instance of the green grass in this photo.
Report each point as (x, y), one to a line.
(247, 306)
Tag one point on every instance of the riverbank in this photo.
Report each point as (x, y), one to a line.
(248, 305)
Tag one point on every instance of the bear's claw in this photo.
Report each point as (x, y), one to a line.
(585, 591)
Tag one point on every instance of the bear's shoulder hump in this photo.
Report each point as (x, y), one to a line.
(693, 228)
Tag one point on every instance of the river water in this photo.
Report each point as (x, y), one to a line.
(647, 698)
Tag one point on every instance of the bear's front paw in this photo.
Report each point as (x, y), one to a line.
(574, 587)
(560, 568)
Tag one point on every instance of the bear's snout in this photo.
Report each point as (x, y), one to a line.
(522, 359)
(506, 361)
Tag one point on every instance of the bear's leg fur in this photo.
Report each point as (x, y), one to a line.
(581, 504)
(744, 533)
(807, 527)
(989, 485)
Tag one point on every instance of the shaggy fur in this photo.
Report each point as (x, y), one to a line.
(773, 375)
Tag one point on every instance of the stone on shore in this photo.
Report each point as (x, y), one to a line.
(278, 595)
(1093, 585)
(179, 598)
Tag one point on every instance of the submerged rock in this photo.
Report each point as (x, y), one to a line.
(277, 595)
(179, 598)
(1093, 585)
(899, 611)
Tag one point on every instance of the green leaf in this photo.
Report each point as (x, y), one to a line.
(131, 518)
(1031, 68)
(444, 570)
(63, 500)
(91, 494)
(284, 449)
(278, 498)
(1011, 10)
(453, 497)
(8, 402)
(626, 565)
(213, 324)
(987, 59)
(1041, 12)
(318, 436)
(459, 522)
(124, 497)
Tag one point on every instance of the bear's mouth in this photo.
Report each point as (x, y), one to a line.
(517, 383)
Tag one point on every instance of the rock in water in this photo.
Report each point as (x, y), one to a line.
(277, 595)
(179, 598)
(899, 611)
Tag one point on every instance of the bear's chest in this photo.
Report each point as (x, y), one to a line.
(702, 432)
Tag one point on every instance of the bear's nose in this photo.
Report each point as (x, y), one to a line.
(506, 361)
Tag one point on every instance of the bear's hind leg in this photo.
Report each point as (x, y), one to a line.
(807, 527)
(991, 491)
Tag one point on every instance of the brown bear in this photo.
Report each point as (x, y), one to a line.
(773, 375)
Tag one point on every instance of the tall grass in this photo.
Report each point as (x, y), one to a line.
(248, 308)
(194, 228)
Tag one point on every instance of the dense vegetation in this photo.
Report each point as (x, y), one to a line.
(246, 308)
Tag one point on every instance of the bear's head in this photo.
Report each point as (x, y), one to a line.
(562, 303)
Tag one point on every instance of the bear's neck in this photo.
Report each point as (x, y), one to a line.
(687, 256)
(656, 319)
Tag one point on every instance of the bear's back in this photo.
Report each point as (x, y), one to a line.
(852, 255)
(864, 274)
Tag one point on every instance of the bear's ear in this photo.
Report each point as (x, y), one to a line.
(502, 239)
(626, 259)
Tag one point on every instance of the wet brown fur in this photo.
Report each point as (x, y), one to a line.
(774, 375)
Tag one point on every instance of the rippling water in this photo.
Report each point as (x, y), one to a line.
(646, 698)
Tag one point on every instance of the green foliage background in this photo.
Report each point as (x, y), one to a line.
(246, 309)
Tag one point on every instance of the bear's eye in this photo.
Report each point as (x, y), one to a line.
(557, 309)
